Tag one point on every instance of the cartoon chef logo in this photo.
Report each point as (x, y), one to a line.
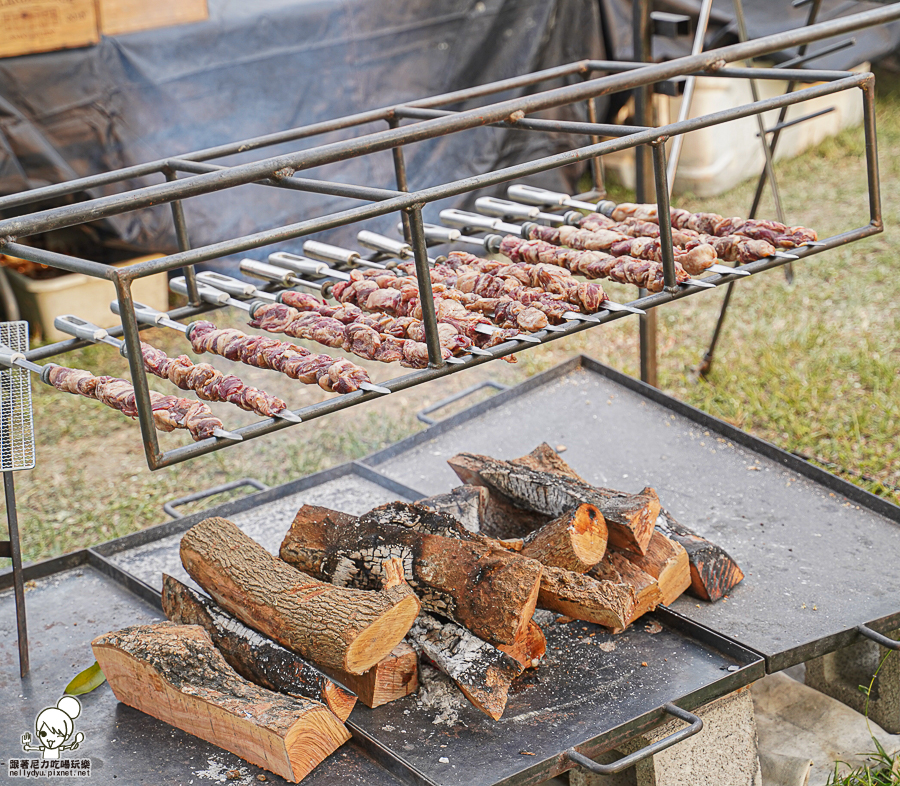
(54, 726)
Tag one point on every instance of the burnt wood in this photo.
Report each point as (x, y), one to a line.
(347, 629)
(175, 673)
(466, 504)
(254, 656)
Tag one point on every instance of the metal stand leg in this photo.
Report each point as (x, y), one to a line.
(15, 553)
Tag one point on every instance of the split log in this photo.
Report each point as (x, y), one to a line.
(629, 517)
(502, 519)
(482, 672)
(346, 629)
(545, 459)
(416, 516)
(529, 647)
(390, 679)
(647, 596)
(713, 573)
(575, 541)
(255, 657)
(606, 602)
(667, 561)
(486, 589)
(466, 504)
(174, 673)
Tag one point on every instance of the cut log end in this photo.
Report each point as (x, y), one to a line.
(383, 634)
(575, 541)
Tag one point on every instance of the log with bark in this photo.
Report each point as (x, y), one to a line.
(529, 647)
(255, 657)
(175, 673)
(575, 541)
(608, 602)
(616, 568)
(713, 572)
(487, 589)
(347, 629)
(482, 672)
(466, 504)
(393, 677)
(667, 561)
(629, 517)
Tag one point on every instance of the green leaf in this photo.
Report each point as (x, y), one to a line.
(92, 677)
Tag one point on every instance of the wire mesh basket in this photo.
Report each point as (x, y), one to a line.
(16, 425)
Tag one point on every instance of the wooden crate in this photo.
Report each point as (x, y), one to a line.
(128, 16)
(28, 26)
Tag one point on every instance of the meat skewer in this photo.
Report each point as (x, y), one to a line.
(629, 271)
(360, 338)
(697, 257)
(169, 412)
(332, 374)
(209, 383)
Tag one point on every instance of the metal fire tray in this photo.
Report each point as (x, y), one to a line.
(593, 691)
(813, 547)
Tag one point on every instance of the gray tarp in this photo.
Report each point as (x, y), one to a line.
(254, 68)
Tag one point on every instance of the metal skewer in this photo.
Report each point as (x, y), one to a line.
(329, 253)
(504, 209)
(234, 286)
(150, 316)
(81, 328)
(309, 267)
(9, 357)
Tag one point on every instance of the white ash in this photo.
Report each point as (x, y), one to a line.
(542, 617)
(437, 693)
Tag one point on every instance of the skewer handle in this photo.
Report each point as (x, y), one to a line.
(438, 234)
(211, 295)
(278, 275)
(386, 245)
(149, 316)
(233, 286)
(329, 253)
(464, 220)
(502, 208)
(81, 328)
(309, 267)
(532, 195)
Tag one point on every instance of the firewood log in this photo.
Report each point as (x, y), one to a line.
(486, 589)
(545, 459)
(529, 647)
(391, 678)
(667, 561)
(502, 519)
(629, 517)
(175, 673)
(647, 596)
(713, 573)
(575, 541)
(342, 628)
(466, 504)
(482, 672)
(255, 657)
(606, 602)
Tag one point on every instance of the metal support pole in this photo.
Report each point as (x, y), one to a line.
(400, 174)
(665, 217)
(15, 553)
(426, 297)
(184, 243)
(132, 336)
(597, 161)
(872, 176)
(643, 42)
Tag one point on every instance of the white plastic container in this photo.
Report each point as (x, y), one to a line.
(715, 159)
(74, 293)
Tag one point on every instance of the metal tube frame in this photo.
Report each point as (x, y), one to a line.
(279, 172)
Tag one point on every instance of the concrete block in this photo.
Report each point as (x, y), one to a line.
(839, 675)
(724, 752)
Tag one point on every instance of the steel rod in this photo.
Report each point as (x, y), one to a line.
(666, 248)
(872, 177)
(184, 243)
(400, 177)
(102, 207)
(15, 552)
(596, 162)
(426, 297)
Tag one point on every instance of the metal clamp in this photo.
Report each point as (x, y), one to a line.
(877, 637)
(169, 507)
(580, 760)
(489, 383)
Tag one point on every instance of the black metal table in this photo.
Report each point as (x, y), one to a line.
(817, 551)
(592, 691)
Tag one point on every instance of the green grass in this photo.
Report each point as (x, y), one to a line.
(813, 368)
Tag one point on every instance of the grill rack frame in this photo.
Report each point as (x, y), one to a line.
(279, 171)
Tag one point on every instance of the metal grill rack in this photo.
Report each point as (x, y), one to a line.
(192, 175)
